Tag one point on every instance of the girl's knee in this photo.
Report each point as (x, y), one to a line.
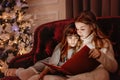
(46, 77)
(53, 77)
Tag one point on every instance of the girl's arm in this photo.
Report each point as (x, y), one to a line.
(108, 60)
(55, 56)
(44, 72)
(53, 60)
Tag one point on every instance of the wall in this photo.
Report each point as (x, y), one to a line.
(44, 11)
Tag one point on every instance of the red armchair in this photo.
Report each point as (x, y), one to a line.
(48, 35)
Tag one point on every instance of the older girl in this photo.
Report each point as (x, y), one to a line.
(101, 50)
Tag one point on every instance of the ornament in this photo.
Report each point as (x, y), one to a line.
(7, 9)
(10, 57)
(15, 27)
(8, 27)
(5, 15)
(4, 36)
(18, 3)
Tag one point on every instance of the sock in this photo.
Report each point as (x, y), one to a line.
(24, 74)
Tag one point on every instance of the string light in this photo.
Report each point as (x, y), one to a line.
(15, 33)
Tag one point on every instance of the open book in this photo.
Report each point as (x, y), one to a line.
(78, 63)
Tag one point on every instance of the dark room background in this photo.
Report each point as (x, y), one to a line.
(99, 7)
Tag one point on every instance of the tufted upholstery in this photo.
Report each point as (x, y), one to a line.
(48, 35)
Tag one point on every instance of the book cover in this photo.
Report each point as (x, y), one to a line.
(78, 63)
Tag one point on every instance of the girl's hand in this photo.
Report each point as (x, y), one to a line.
(41, 75)
(95, 53)
(52, 71)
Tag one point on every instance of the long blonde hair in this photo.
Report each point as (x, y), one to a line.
(87, 17)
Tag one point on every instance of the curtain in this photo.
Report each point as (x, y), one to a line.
(99, 7)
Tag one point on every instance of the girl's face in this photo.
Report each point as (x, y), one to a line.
(83, 30)
(72, 40)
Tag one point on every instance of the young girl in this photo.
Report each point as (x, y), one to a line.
(63, 51)
(101, 50)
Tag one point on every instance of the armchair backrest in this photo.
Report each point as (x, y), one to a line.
(111, 27)
(48, 35)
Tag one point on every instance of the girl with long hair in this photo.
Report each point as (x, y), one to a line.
(101, 49)
(63, 51)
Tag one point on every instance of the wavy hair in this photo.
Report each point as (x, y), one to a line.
(69, 30)
(89, 18)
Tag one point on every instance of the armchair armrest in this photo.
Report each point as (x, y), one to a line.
(24, 61)
(10, 78)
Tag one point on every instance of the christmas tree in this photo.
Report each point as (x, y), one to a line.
(15, 29)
